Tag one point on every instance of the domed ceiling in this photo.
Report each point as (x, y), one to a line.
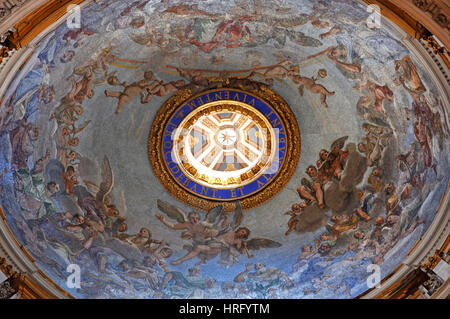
(356, 127)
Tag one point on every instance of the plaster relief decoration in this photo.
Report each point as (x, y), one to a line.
(8, 6)
(6, 290)
(439, 10)
(222, 149)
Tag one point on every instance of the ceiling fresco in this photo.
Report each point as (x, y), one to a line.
(82, 160)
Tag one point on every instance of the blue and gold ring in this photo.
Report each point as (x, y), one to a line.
(222, 145)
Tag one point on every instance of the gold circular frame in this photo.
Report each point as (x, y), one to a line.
(285, 173)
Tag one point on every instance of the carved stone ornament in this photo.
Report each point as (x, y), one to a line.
(437, 10)
(6, 290)
(8, 6)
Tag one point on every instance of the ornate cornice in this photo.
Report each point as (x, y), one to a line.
(416, 17)
(8, 7)
(438, 9)
(438, 255)
(11, 11)
(439, 60)
(6, 290)
(436, 64)
(405, 280)
(18, 265)
(432, 15)
(17, 259)
(409, 286)
(36, 21)
(23, 20)
(22, 284)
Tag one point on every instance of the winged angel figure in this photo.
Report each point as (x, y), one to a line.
(214, 235)
(101, 194)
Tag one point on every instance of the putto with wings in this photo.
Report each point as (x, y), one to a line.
(214, 235)
(331, 163)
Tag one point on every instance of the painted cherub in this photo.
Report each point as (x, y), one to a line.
(374, 180)
(274, 72)
(294, 212)
(196, 77)
(133, 89)
(82, 89)
(264, 276)
(366, 200)
(159, 257)
(309, 250)
(409, 76)
(70, 179)
(67, 112)
(331, 163)
(163, 89)
(342, 223)
(374, 95)
(194, 228)
(22, 140)
(311, 191)
(311, 85)
(229, 244)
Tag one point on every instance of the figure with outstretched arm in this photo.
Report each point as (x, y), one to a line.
(311, 85)
(195, 228)
(341, 51)
(230, 239)
(133, 89)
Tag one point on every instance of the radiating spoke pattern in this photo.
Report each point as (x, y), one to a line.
(224, 145)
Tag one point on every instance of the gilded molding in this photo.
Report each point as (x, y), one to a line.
(438, 9)
(30, 282)
(284, 175)
(438, 255)
(418, 17)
